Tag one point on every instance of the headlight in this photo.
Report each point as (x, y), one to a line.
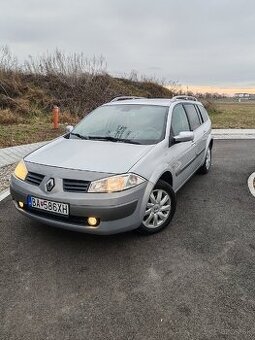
(21, 171)
(116, 183)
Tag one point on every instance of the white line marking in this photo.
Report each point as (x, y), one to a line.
(251, 184)
(233, 137)
(4, 194)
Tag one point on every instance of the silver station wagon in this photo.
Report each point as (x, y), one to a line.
(119, 169)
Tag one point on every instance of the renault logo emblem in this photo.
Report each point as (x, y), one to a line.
(50, 184)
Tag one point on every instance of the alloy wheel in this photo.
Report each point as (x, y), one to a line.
(158, 209)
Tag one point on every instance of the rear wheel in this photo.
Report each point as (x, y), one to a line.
(207, 163)
(160, 209)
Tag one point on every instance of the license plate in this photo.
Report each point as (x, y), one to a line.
(48, 206)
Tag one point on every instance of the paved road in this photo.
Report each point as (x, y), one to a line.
(195, 280)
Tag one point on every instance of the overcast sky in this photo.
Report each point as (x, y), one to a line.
(195, 42)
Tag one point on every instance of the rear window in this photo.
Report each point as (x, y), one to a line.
(193, 116)
(203, 112)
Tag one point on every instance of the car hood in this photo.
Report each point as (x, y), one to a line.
(99, 156)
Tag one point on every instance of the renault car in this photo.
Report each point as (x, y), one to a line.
(119, 169)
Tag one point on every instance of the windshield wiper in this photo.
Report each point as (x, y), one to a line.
(106, 138)
(78, 135)
(126, 140)
(113, 139)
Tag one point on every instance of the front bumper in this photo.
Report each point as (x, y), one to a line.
(117, 212)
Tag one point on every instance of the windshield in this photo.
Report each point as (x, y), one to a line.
(138, 124)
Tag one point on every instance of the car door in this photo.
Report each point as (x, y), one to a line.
(181, 155)
(206, 123)
(197, 127)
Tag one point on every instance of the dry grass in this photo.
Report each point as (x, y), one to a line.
(67, 118)
(73, 82)
(25, 133)
(8, 117)
(233, 115)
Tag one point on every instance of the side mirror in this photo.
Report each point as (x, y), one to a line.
(184, 136)
(69, 128)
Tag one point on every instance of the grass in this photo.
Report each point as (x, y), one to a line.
(233, 115)
(31, 129)
(26, 133)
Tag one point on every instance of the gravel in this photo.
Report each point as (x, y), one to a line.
(5, 175)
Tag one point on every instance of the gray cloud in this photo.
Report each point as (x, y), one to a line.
(193, 41)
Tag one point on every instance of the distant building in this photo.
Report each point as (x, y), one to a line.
(244, 96)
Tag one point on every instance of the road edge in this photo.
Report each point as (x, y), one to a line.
(3, 194)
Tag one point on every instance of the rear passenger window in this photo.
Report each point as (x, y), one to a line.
(179, 120)
(203, 113)
(193, 116)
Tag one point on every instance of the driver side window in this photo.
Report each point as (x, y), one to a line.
(179, 120)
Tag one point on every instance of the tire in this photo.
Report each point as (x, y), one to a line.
(205, 168)
(151, 224)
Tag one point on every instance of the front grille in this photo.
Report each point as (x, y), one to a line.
(74, 185)
(34, 178)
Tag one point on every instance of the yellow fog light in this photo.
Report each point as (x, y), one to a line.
(21, 171)
(92, 221)
(21, 205)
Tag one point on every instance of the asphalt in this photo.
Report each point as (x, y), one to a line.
(195, 280)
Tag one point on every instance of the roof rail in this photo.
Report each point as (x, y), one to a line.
(125, 98)
(185, 98)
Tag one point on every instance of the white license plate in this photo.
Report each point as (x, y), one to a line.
(49, 206)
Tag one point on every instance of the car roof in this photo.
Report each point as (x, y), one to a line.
(152, 101)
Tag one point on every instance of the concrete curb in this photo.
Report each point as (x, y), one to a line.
(233, 134)
(4, 194)
(14, 154)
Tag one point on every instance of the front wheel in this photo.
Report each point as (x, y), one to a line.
(160, 209)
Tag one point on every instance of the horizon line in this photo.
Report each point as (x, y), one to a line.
(228, 90)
